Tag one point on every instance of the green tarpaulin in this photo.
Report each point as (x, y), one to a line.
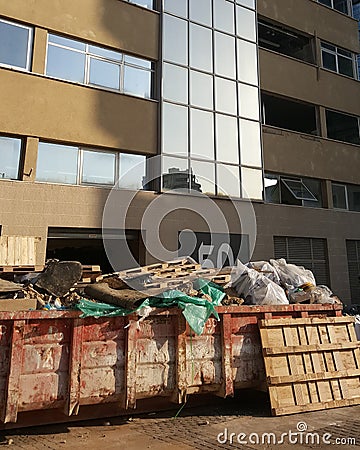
(195, 310)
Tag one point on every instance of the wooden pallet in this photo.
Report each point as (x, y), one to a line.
(311, 363)
(18, 250)
(21, 269)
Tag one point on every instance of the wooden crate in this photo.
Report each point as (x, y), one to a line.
(18, 250)
(311, 363)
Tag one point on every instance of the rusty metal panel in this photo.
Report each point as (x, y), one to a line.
(155, 356)
(102, 374)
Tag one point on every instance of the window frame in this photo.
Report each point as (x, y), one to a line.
(348, 3)
(80, 165)
(343, 114)
(28, 50)
(345, 186)
(282, 179)
(337, 54)
(20, 160)
(91, 55)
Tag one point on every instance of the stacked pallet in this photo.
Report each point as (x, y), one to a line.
(311, 363)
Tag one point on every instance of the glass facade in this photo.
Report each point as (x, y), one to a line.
(211, 138)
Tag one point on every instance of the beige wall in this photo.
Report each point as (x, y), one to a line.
(297, 154)
(308, 16)
(291, 78)
(55, 110)
(30, 208)
(112, 23)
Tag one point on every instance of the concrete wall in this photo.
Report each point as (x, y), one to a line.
(309, 156)
(313, 18)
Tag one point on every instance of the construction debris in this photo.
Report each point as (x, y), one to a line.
(63, 284)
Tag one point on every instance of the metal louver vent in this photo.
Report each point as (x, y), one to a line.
(353, 255)
(308, 252)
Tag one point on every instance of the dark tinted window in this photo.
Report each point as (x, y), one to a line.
(342, 127)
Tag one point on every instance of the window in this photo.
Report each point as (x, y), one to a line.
(285, 41)
(76, 61)
(288, 114)
(15, 45)
(353, 256)
(342, 127)
(10, 153)
(340, 5)
(338, 60)
(73, 165)
(346, 196)
(289, 190)
(144, 3)
(308, 252)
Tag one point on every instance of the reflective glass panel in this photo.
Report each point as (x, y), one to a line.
(329, 60)
(272, 188)
(132, 171)
(103, 73)
(224, 55)
(201, 89)
(245, 23)
(200, 11)
(250, 146)
(247, 62)
(108, 54)
(252, 183)
(14, 45)
(98, 167)
(138, 62)
(339, 196)
(248, 3)
(248, 101)
(175, 129)
(227, 147)
(202, 134)
(65, 64)
(225, 96)
(228, 180)
(66, 42)
(177, 7)
(204, 173)
(200, 48)
(57, 163)
(145, 3)
(137, 82)
(10, 150)
(224, 16)
(346, 66)
(175, 40)
(353, 197)
(175, 173)
(175, 83)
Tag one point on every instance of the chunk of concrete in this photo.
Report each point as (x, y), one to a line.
(59, 277)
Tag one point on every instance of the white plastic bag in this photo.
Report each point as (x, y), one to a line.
(266, 269)
(256, 288)
(292, 276)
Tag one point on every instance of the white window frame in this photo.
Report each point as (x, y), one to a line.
(80, 166)
(29, 46)
(134, 2)
(337, 53)
(349, 7)
(311, 197)
(121, 63)
(346, 196)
